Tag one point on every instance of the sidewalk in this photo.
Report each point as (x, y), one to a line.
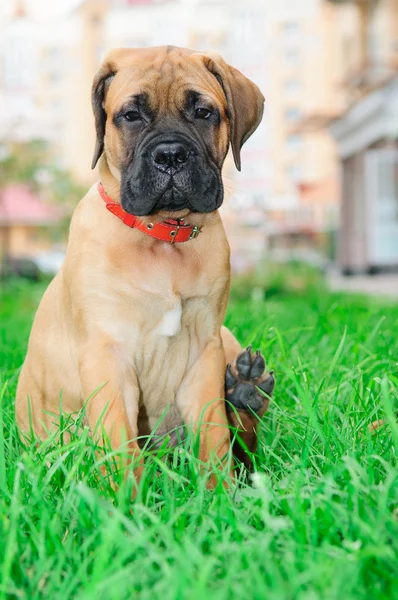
(385, 284)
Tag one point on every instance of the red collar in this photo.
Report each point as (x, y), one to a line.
(173, 231)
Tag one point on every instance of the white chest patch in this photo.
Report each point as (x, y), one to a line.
(171, 321)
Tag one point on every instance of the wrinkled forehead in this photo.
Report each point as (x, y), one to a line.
(165, 79)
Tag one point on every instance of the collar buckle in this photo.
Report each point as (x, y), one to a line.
(174, 232)
(195, 232)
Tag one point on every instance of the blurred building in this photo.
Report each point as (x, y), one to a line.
(305, 56)
(302, 96)
(367, 138)
(20, 117)
(46, 64)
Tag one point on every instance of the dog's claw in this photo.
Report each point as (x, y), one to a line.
(230, 380)
(244, 361)
(268, 385)
(258, 366)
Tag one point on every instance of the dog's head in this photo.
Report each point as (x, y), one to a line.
(165, 118)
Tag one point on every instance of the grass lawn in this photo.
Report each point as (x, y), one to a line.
(319, 519)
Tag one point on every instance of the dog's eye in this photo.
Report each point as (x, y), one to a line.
(132, 115)
(202, 113)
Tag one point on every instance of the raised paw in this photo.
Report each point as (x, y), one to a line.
(242, 380)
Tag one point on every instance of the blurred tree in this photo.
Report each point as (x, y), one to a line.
(32, 163)
(19, 162)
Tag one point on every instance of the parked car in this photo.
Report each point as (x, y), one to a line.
(45, 264)
(49, 263)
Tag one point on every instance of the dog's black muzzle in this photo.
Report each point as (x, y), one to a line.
(171, 172)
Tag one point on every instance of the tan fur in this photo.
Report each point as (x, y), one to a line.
(110, 318)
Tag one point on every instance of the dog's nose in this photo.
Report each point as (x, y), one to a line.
(170, 155)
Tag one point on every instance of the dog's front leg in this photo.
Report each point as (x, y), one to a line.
(246, 405)
(202, 405)
(102, 380)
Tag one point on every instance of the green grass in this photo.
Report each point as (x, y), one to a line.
(319, 520)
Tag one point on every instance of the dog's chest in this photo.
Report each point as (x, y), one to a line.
(166, 353)
(170, 323)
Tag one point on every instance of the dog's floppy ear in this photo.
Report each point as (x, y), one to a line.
(244, 99)
(114, 61)
(99, 88)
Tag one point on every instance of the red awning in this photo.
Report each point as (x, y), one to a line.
(20, 206)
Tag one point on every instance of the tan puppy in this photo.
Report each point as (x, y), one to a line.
(133, 321)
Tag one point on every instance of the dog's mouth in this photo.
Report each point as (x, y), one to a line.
(171, 174)
(173, 200)
(170, 200)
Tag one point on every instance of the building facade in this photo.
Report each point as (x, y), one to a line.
(367, 138)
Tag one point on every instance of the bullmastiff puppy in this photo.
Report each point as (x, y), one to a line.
(133, 321)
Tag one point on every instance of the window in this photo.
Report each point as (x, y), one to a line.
(292, 87)
(54, 77)
(293, 115)
(290, 27)
(56, 105)
(54, 53)
(293, 57)
(294, 173)
(291, 30)
(294, 142)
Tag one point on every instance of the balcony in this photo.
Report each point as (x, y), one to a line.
(314, 121)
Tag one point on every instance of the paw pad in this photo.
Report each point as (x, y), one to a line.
(244, 377)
